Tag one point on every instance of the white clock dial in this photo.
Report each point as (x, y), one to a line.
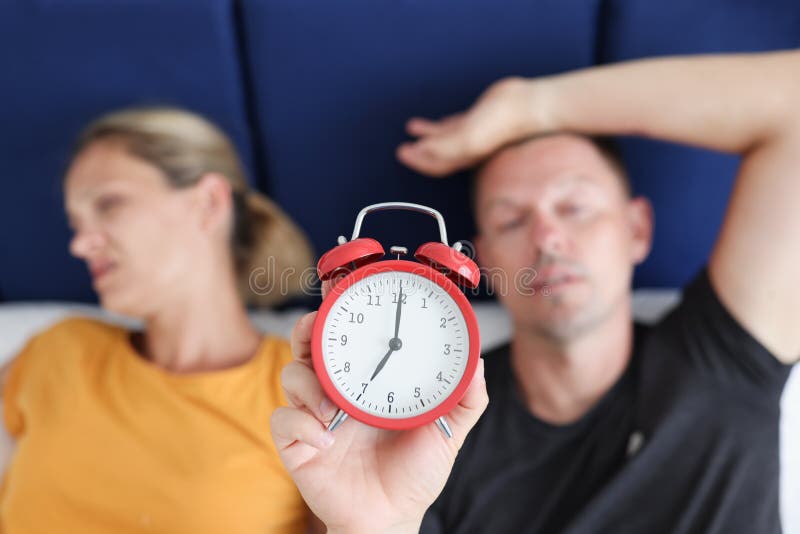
(398, 376)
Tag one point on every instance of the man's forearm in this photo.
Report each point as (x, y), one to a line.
(728, 103)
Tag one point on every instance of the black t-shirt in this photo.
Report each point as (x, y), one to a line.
(685, 441)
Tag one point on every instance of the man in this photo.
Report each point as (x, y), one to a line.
(594, 425)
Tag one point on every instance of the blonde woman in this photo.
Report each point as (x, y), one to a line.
(165, 429)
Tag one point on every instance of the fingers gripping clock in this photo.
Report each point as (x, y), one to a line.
(396, 343)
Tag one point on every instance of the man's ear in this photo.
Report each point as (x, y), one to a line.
(641, 220)
(215, 200)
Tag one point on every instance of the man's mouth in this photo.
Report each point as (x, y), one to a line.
(550, 279)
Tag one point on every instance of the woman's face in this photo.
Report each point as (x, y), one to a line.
(138, 235)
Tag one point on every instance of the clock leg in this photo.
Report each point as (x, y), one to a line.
(442, 424)
(337, 420)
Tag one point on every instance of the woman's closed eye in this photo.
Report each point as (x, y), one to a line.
(107, 203)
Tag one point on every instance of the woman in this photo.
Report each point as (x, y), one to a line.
(166, 429)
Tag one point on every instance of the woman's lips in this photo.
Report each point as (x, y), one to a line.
(99, 270)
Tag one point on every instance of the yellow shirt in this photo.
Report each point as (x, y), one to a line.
(108, 442)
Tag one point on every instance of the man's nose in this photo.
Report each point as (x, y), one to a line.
(546, 236)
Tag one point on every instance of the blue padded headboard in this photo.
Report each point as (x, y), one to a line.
(315, 94)
(334, 83)
(65, 62)
(689, 187)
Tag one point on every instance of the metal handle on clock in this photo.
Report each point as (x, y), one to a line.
(408, 206)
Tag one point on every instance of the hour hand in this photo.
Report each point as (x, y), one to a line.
(381, 364)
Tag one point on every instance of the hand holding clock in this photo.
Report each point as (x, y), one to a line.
(367, 479)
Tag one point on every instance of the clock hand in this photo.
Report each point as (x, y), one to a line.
(381, 364)
(399, 307)
(394, 343)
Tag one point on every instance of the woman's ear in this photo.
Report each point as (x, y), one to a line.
(641, 221)
(214, 197)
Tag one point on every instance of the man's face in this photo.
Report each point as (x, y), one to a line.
(558, 235)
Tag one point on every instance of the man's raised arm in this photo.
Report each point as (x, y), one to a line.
(747, 104)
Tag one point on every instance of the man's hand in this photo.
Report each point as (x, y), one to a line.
(508, 110)
(359, 478)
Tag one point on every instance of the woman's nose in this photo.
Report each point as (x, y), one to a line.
(84, 242)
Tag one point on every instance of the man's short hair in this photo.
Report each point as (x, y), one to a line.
(606, 146)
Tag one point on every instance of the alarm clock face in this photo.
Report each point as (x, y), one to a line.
(396, 344)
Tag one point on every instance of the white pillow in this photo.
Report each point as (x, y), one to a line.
(19, 321)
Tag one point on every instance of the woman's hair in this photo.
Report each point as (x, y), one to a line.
(265, 243)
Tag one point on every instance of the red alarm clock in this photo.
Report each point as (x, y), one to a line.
(395, 343)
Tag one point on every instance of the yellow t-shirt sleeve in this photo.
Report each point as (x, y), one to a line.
(17, 372)
(46, 354)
